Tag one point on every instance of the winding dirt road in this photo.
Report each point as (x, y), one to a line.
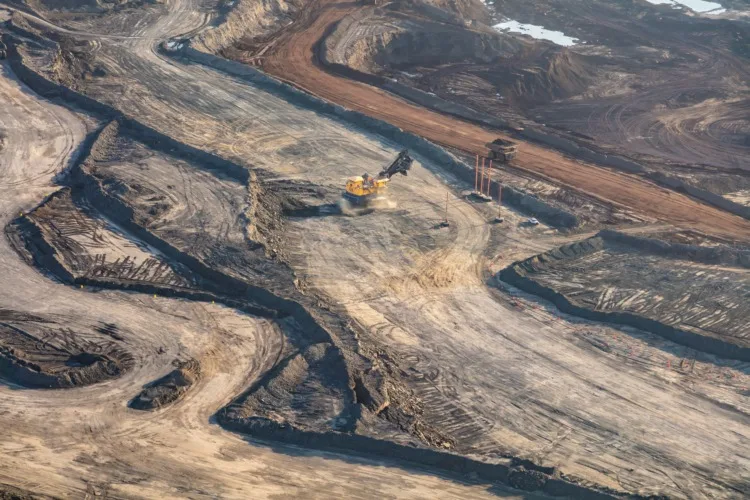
(292, 58)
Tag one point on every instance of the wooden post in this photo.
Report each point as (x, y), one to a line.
(481, 184)
(476, 174)
(489, 172)
(445, 218)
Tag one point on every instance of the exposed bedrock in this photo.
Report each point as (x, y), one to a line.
(251, 20)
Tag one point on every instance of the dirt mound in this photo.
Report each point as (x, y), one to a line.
(305, 390)
(374, 41)
(75, 63)
(169, 388)
(250, 23)
(38, 354)
(556, 73)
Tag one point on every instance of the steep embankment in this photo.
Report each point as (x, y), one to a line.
(261, 18)
(373, 40)
(442, 56)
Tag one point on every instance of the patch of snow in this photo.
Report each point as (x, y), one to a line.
(174, 45)
(700, 6)
(538, 32)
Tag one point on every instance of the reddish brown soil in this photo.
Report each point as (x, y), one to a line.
(293, 59)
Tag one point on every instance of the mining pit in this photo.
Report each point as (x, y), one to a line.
(183, 298)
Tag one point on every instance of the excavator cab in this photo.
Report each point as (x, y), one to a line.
(363, 190)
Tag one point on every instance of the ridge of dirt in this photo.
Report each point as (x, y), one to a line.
(627, 288)
(261, 18)
(41, 354)
(168, 389)
(375, 40)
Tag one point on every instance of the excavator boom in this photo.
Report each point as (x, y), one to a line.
(400, 165)
(363, 190)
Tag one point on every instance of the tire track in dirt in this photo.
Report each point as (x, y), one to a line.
(13, 152)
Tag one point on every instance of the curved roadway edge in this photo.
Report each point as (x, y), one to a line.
(536, 135)
(518, 275)
(114, 209)
(545, 479)
(533, 134)
(292, 59)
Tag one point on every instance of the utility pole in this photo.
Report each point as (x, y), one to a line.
(445, 218)
(499, 218)
(445, 223)
(481, 185)
(476, 174)
(489, 172)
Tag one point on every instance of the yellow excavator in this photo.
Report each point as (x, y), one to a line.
(365, 190)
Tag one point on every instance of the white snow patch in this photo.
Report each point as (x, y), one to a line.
(701, 6)
(538, 32)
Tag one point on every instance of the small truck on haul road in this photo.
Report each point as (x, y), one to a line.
(501, 150)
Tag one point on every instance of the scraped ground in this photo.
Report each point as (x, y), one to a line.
(86, 442)
(499, 373)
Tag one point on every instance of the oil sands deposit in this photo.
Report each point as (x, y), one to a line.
(374, 249)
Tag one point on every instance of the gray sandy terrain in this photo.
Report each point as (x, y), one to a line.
(465, 363)
(86, 441)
